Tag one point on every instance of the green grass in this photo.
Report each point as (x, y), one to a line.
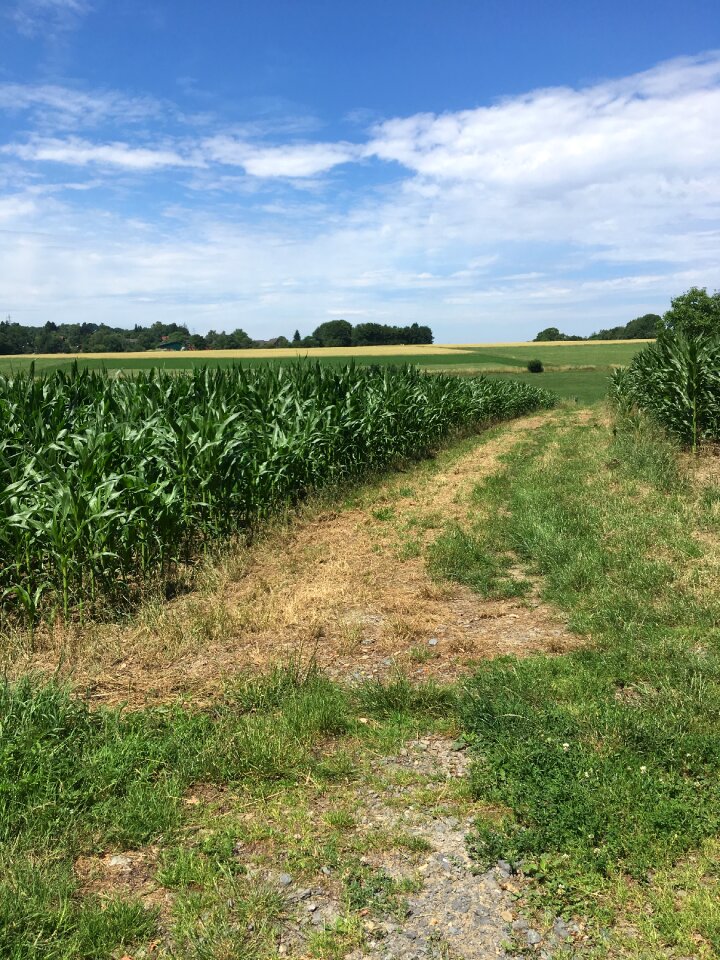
(583, 387)
(605, 759)
(480, 359)
(602, 764)
(78, 783)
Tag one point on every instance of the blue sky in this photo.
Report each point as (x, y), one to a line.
(489, 168)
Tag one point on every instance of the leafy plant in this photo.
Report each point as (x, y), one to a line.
(110, 486)
(676, 381)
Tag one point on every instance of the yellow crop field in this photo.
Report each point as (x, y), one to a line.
(400, 351)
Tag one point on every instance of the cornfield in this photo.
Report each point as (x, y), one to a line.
(676, 381)
(108, 484)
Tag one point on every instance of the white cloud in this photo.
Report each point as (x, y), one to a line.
(662, 122)
(76, 152)
(580, 208)
(291, 160)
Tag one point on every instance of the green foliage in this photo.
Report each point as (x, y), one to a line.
(379, 334)
(676, 381)
(695, 313)
(65, 338)
(108, 484)
(334, 333)
(535, 366)
(549, 334)
(641, 328)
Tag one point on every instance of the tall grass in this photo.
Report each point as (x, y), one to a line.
(677, 382)
(106, 484)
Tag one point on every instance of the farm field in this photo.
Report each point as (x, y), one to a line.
(576, 371)
(466, 706)
(478, 357)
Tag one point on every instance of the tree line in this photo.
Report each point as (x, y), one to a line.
(15, 338)
(695, 313)
(641, 328)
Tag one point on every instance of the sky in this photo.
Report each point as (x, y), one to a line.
(487, 167)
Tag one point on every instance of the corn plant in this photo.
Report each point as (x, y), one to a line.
(108, 484)
(676, 381)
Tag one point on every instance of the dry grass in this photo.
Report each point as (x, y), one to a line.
(335, 586)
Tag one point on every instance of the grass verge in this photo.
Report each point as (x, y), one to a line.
(606, 759)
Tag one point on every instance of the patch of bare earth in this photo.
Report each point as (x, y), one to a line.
(126, 875)
(348, 588)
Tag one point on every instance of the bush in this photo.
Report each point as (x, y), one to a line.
(535, 366)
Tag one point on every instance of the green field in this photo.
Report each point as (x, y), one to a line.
(575, 371)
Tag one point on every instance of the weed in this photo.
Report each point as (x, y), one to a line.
(340, 820)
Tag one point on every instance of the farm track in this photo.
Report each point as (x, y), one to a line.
(347, 588)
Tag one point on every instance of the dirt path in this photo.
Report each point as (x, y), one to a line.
(348, 588)
(400, 883)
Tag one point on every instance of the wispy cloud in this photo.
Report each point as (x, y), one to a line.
(46, 17)
(81, 153)
(659, 122)
(63, 107)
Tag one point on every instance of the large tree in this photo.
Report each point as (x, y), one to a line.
(334, 333)
(694, 313)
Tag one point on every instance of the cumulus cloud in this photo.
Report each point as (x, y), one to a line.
(568, 206)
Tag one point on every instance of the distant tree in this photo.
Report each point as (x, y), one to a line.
(535, 366)
(549, 333)
(334, 333)
(309, 342)
(380, 334)
(694, 313)
(281, 342)
(237, 340)
(105, 340)
(418, 334)
(641, 328)
(296, 338)
(552, 333)
(370, 335)
(195, 342)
